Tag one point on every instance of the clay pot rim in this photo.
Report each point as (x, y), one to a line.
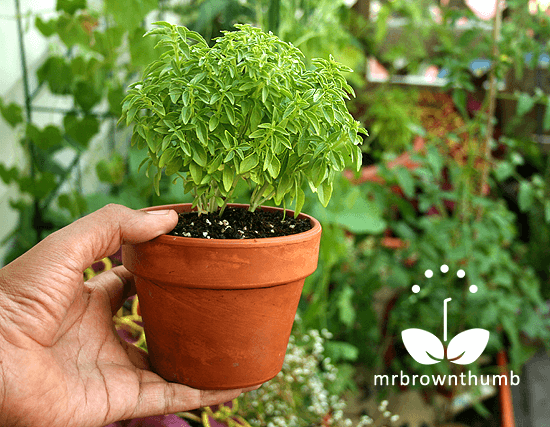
(234, 243)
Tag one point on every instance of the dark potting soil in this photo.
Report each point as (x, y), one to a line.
(238, 223)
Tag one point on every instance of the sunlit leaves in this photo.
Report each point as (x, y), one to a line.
(246, 108)
(130, 15)
(70, 6)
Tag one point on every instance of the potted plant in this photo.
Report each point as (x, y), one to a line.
(218, 311)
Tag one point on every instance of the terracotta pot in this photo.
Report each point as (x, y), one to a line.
(218, 313)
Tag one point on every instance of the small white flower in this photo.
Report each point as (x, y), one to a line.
(394, 418)
(383, 405)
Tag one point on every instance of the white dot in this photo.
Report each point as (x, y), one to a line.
(473, 289)
(444, 268)
(461, 273)
(416, 289)
(429, 273)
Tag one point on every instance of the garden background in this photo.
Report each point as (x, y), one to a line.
(455, 95)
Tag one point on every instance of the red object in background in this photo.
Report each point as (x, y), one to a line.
(505, 395)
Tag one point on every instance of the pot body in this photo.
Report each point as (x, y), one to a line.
(218, 313)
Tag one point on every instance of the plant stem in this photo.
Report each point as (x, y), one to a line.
(445, 318)
(37, 216)
(492, 103)
(256, 198)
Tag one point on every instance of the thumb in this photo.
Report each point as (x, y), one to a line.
(101, 233)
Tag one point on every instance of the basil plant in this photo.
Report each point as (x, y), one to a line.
(245, 108)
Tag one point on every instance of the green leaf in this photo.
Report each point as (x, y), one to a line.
(8, 175)
(214, 165)
(186, 113)
(46, 138)
(546, 120)
(86, 95)
(459, 99)
(547, 211)
(300, 199)
(526, 195)
(435, 159)
(230, 113)
(258, 133)
(40, 187)
(167, 156)
(229, 156)
(82, 130)
(341, 350)
(504, 170)
(525, 104)
(131, 13)
(324, 192)
(346, 310)
(142, 49)
(111, 171)
(57, 73)
(115, 95)
(202, 133)
(357, 214)
(248, 163)
(274, 167)
(199, 155)
(227, 177)
(74, 203)
(12, 113)
(70, 6)
(318, 173)
(196, 172)
(405, 181)
(213, 123)
(71, 29)
(47, 28)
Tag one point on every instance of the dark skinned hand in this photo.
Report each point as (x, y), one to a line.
(62, 362)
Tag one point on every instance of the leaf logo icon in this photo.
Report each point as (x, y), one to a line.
(423, 346)
(467, 346)
(427, 349)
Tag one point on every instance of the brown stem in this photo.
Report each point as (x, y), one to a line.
(492, 103)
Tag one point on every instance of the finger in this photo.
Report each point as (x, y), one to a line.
(118, 283)
(101, 233)
(157, 396)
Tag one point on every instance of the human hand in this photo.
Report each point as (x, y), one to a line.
(62, 362)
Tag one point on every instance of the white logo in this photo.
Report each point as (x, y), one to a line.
(427, 349)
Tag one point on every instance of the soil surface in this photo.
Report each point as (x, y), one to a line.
(238, 223)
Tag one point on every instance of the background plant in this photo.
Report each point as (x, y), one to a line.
(94, 51)
(245, 108)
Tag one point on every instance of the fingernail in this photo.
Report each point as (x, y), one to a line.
(159, 212)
